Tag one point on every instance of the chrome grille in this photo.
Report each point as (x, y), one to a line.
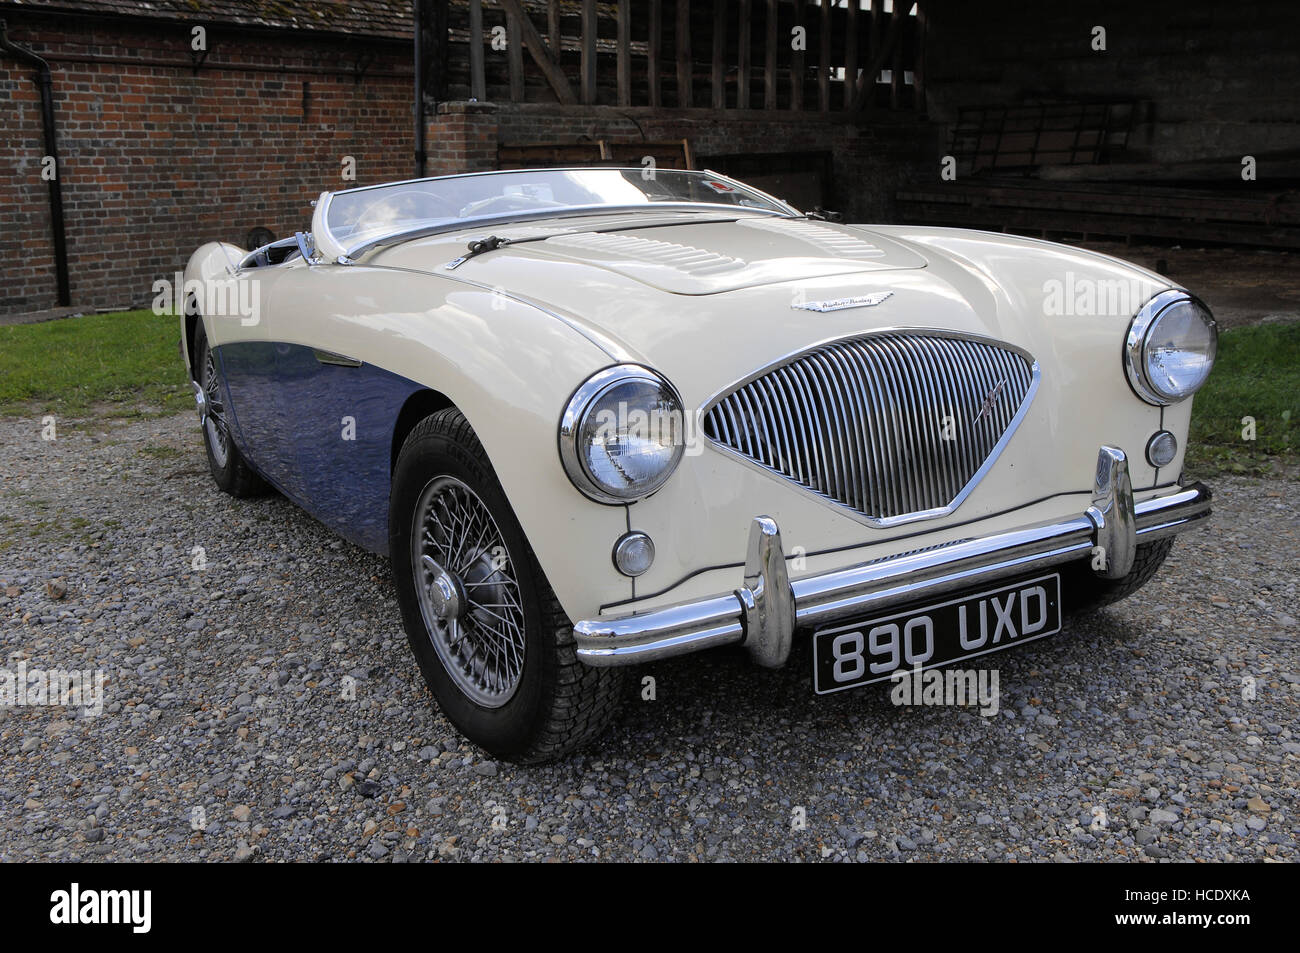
(895, 425)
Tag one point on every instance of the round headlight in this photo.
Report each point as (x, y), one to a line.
(1170, 348)
(622, 434)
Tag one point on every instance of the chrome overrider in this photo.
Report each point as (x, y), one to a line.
(765, 611)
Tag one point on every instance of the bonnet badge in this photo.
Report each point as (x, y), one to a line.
(989, 401)
(842, 304)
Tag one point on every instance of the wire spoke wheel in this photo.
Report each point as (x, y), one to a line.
(214, 422)
(468, 592)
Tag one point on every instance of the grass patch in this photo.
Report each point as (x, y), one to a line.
(1257, 375)
(71, 365)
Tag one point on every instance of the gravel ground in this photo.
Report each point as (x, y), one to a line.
(226, 735)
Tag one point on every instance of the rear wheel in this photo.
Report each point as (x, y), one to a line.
(493, 644)
(1082, 590)
(229, 468)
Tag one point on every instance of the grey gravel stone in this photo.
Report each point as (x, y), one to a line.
(225, 690)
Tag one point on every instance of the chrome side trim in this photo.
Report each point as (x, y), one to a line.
(766, 611)
(339, 360)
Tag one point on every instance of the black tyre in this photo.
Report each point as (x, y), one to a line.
(1082, 590)
(493, 644)
(229, 468)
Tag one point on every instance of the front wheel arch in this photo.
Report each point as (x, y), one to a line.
(420, 404)
(192, 318)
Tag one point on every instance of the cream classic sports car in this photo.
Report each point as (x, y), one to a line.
(599, 417)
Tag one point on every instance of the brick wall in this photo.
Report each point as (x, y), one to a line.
(157, 158)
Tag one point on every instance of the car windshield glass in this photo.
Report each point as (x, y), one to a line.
(360, 216)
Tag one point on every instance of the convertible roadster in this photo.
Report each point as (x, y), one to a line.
(599, 417)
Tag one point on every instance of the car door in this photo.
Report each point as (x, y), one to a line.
(338, 412)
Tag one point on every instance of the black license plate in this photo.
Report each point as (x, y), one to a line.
(848, 656)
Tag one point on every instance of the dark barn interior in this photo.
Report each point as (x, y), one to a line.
(1166, 123)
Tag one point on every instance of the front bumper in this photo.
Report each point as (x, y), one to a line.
(765, 611)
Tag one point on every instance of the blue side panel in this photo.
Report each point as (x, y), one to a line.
(253, 408)
(323, 433)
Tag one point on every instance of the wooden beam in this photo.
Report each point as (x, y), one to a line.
(685, 67)
(719, 54)
(886, 50)
(896, 67)
(797, 60)
(769, 63)
(851, 52)
(742, 56)
(824, 60)
(514, 54)
(918, 67)
(477, 79)
(553, 28)
(537, 49)
(589, 51)
(625, 52)
(653, 43)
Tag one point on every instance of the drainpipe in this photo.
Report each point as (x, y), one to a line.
(419, 90)
(51, 149)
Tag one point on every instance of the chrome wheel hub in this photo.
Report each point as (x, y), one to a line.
(446, 592)
(468, 592)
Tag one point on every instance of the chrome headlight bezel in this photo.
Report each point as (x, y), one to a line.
(1140, 330)
(584, 399)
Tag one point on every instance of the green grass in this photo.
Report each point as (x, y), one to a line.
(159, 452)
(70, 366)
(1257, 375)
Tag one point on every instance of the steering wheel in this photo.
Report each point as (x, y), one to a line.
(508, 203)
(405, 206)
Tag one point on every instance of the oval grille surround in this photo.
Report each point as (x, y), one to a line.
(897, 425)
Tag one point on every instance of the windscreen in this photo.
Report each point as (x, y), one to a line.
(360, 216)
